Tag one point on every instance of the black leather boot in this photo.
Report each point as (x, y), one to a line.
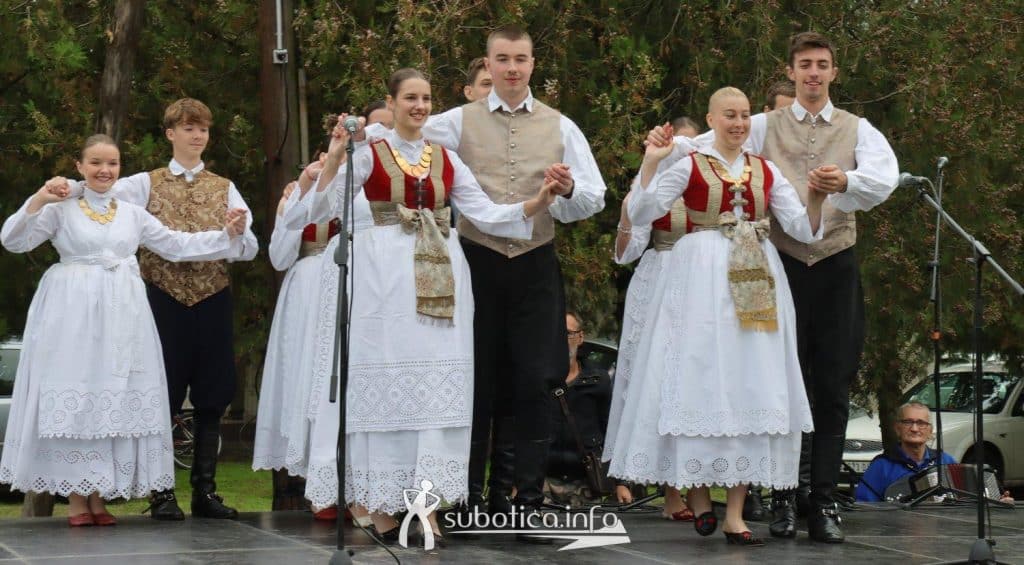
(803, 489)
(163, 505)
(823, 519)
(503, 467)
(784, 523)
(823, 525)
(753, 506)
(530, 470)
(206, 503)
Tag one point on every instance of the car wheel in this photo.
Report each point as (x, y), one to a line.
(993, 459)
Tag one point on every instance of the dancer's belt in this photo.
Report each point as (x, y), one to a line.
(435, 283)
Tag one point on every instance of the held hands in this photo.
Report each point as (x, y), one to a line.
(559, 174)
(659, 142)
(234, 221)
(288, 190)
(340, 136)
(828, 179)
(545, 197)
(54, 190)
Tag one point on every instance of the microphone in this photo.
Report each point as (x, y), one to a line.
(943, 161)
(907, 179)
(351, 124)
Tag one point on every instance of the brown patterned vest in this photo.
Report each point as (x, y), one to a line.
(798, 147)
(508, 153)
(189, 207)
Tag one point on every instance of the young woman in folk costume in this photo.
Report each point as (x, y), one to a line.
(410, 385)
(724, 326)
(90, 417)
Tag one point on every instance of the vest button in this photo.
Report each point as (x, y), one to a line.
(812, 140)
(512, 145)
(513, 130)
(513, 177)
(512, 162)
(813, 155)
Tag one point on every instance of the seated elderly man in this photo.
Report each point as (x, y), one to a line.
(914, 429)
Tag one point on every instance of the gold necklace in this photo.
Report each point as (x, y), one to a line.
(96, 216)
(724, 173)
(418, 169)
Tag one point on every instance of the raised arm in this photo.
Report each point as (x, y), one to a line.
(35, 222)
(868, 185)
(284, 243)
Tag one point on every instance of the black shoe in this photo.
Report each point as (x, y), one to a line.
(753, 506)
(803, 501)
(211, 505)
(823, 525)
(706, 523)
(499, 504)
(784, 523)
(524, 512)
(389, 537)
(745, 539)
(164, 506)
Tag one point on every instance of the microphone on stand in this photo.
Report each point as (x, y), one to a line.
(942, 162)
(908, 180)
(351, 124)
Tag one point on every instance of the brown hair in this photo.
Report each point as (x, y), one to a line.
(510, 33)
(402, 75)
(475, 66)
(809, 40)
(97, 139)
(187, 111)
(685, 122)
(781, 88)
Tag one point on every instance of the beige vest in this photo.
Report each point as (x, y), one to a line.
(189, 207)
(797, 148)
(508, 154)
(663, 239)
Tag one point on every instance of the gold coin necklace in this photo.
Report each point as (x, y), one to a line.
(96, 216)
(420, 168)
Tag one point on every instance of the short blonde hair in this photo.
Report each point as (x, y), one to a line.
(722, 93)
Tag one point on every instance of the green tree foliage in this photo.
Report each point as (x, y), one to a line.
(938, 77)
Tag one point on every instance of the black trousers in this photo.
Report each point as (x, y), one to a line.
(520, 347)
(198, 348)
(829, 303)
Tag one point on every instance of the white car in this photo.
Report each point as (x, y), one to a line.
(1003, 407)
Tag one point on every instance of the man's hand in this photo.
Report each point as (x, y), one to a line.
(235, 224)
(660, 136)
(560, 174)
(58, 187)
(827, 178)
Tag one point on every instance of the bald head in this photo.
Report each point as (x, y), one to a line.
(722, 95)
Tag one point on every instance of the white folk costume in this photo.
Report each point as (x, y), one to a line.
(90, 410)
(410, 384)
(306, 301)
(664, 232)
(724, 327)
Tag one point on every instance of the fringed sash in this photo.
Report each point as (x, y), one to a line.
(750, 281)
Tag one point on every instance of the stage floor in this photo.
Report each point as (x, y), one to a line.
(874, 535)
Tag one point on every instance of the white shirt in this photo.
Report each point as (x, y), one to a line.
(648, 204)
(868, 185)
(136, 189)
(502, 220)
(587, 196)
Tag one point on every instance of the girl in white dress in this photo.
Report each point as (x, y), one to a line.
(410, 388)
(90, 418)
(722, 399)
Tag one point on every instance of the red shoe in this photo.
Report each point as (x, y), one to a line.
(329, 514)
(684, 515)
(104, 519)
(79, 520)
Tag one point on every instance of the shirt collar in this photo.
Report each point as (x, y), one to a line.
(398, 142)
(494, 102)
(800, 112)
(96, 199)
(177, 169)
(709, 150)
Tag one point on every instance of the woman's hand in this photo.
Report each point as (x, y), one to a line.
(54, 190)
(288, 190)
(235, 221)
(546, 196)
(623, 494)
(659, 143)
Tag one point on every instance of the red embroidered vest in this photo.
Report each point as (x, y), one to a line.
(707, 195)
(388, 183)
(667, 230)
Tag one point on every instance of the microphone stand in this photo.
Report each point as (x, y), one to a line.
(339, 374)
(981, 551)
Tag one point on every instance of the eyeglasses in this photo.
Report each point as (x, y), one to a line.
(919, 423)
(574, 333)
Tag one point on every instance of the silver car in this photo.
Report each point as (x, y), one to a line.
(10, 351)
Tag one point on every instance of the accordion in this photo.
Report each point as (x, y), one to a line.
(958, 476)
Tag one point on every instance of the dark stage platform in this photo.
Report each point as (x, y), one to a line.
(874, 535)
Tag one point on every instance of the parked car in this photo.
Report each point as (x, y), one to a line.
(10, 351)
(1002, 405)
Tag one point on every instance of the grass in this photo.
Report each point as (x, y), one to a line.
(241, 487)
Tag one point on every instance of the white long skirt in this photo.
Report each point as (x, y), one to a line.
(709, 403)
(105, 433)
(410, 384)
(282, 421)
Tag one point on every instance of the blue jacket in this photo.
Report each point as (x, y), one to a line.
(886, 468)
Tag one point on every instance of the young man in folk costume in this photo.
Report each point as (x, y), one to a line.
(818, 146)
(191, 301)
